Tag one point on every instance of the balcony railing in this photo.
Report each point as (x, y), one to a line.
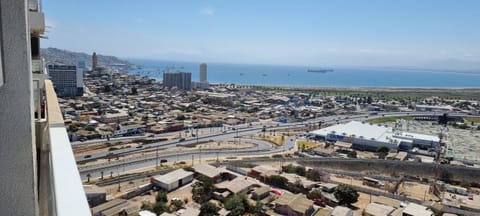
(60, 187)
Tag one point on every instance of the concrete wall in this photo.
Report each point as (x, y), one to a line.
(18, 187)
(387, 167)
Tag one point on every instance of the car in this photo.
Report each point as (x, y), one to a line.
(87, 156)
(140, 146)
(163, 160)
(181, 140)
(151, 135)
(175, 199)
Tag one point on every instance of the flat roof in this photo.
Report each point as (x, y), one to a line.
(207, 170)
(376, 209)
(297, 202)
(417, 210)
(369, 131)
(173, 176)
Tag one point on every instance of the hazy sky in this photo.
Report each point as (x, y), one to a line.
(421, 33)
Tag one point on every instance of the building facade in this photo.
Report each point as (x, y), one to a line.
(203, 73)
(180, 80)
(67, 80)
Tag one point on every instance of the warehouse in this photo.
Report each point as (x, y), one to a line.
(367, 136)
(172, 180)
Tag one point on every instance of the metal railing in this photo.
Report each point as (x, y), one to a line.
(60, 187)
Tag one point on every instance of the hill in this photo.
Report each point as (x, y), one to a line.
(71, 58)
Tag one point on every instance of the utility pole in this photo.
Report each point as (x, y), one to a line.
(156, 167)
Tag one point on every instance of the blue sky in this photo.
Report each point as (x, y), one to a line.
(406, 33)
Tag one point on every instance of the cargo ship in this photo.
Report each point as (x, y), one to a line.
(319, 70)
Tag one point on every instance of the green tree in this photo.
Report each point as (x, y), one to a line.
(278, 181)
(180, 118)
(313, 174)
(208, 209)
(382, 151)
(160, 207)
(176, 204)
(352, 154)
(345, 194)
(314, 194)
(237, 205)
(90, 128)
(161, 196)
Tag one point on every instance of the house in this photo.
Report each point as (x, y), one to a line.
(172, 180)
(323, 212)
(211, 172)
(95, 195)
(342, 211)
(116, 207)
(413, 209)
(260, 193)
(375, 209)
(294, 205)
(261, 171)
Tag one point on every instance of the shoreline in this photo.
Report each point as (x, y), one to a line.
(357, 88)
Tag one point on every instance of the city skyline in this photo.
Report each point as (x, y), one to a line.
(427, 34)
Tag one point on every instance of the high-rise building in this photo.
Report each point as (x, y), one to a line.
(94, 61)
(40, 174)
(203, 72)
(67, 80)
(181, 80)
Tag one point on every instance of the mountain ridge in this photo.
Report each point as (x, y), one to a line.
(62, 56)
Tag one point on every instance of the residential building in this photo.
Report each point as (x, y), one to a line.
(94, 61)
(294, 204)
(172, 180)
(41, 176)
(203, 73)
(180, 80)
(67, 80)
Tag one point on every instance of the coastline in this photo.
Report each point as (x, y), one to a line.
(359, 88)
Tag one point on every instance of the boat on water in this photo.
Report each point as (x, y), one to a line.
(319, 70)
(264, 75)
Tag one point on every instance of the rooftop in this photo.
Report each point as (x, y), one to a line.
(207, 170)
(173, 176)
(297, 202)
(376, 209)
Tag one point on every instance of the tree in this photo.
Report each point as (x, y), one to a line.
(382, 151)
(278, 181)
(160, 207)
(208, 209)
(180, 118)
(313, 175)
(345, 194)
(90, 128)
(352, 154)
(176, 204)
(235, 205)
(314, 194)
(161, 196)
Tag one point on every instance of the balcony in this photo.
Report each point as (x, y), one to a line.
(60, 187)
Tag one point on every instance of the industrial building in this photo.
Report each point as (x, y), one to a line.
(67, 80)
(172, 180)
(181, 80)
(368, 136)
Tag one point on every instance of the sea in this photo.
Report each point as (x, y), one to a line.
(299, 75)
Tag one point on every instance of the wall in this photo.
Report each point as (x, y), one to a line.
(17, 152)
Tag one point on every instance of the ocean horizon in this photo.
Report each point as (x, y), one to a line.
(299, 76)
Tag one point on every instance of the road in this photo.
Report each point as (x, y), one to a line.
(122, 166)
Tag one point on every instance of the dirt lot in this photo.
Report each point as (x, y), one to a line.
(415, 190)
(356, 182)
(363, 201)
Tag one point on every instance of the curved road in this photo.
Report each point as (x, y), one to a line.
(136, 163)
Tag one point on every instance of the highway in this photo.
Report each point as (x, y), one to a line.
(261, 148)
